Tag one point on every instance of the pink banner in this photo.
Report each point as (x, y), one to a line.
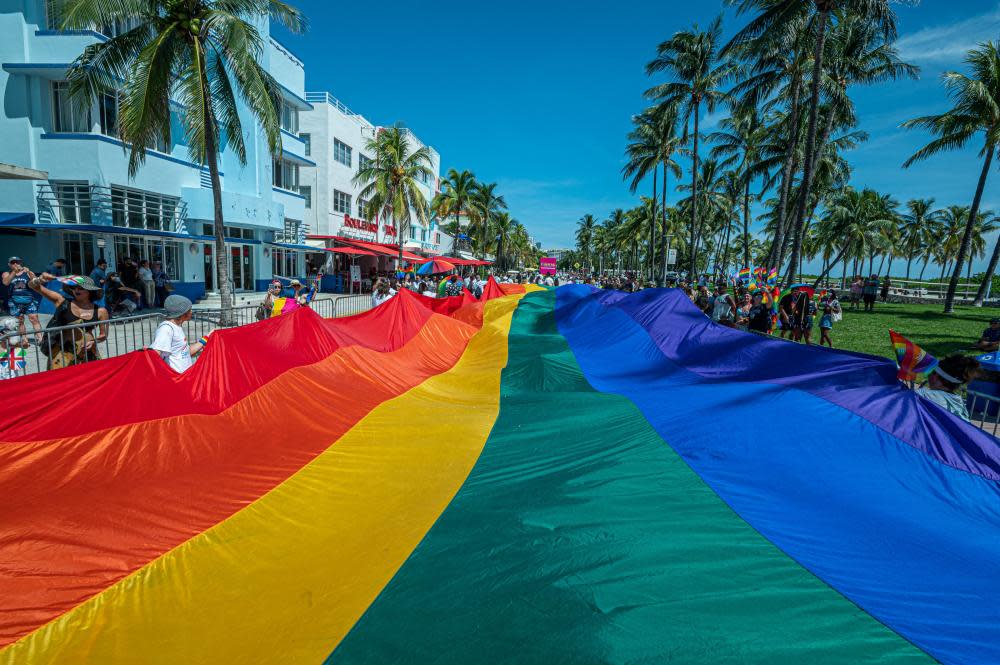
(547, 265)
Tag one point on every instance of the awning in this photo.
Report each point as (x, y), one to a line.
(298, 248)
(17, 219)
(289, 156)
(115, 230)
(384, 250)
(294, 99)
(351, 250)
(46, 70)
(14, 172)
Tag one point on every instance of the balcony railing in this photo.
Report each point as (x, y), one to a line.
(79, 203)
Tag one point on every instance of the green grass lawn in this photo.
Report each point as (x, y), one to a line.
(939, 334)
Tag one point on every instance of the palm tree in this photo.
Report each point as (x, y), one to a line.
(201, 53)
(503, 228)
(456, 190)
(946, 250)
(780, 16)
(389, 181)
(485, 205)
(976, 109)
(855, 222)
(740, 142)
(693, 59)
(653, 142)
(585, 238)
(913, 228)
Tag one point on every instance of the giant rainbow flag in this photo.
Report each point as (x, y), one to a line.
(569, 476)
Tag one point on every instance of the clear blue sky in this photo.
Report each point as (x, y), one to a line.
(538, 96)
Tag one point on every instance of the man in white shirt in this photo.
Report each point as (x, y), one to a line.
(170, 341)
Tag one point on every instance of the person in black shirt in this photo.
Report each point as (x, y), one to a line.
(759, 319)
(990, 339)
(786, 309)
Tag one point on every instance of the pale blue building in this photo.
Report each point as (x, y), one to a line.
(89, 207)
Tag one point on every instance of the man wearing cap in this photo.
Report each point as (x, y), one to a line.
(22, 302)
(170, 341)
(298, 292)
(990, 339)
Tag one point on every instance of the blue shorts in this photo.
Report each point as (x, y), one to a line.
(22, 308)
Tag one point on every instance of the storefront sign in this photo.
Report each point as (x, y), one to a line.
(362, 229)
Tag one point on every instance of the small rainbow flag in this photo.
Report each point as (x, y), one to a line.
(911, 359)
(772, 276)
(744, 275)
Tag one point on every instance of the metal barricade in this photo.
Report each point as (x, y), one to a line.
(38, 350)
(984, 411)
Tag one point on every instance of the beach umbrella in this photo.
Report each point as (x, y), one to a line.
(434, 267)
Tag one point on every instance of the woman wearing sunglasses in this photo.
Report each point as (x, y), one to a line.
(75, 345)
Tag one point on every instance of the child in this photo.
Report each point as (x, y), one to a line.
(826, 324)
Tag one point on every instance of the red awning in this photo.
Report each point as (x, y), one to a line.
(351, 250)
(383, 249)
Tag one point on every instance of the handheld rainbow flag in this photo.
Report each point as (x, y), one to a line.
(910, 358)
(283, 306)
(772, 276)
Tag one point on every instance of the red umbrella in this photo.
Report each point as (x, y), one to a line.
(434, 267)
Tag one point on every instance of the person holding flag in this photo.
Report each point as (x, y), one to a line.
(945, 378)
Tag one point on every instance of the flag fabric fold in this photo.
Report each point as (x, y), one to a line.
(540, 476)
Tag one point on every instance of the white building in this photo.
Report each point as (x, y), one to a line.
(335, 139)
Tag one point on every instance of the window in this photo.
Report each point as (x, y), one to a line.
(284, 263)
(362, 205)
(167, 252)
(306, 192)
(290, 233)
(413, 233)
(229, 232)
(341, 152)
(70, 201)
(307, 139)
(78, 250)
(286, 175)
(341, 202)
(363, 162)
(138, 209)
(53, 14)
(289, 118)
(118, 27)
(109, 109)
(67, 115)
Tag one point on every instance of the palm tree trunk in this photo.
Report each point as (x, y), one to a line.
(909, 260)
(927, 259)
(212, 157)
(663, 221)
(746, 223)
(827, 269)
(788, 171)
(881, 264)
(843, 277)
(652, 229)
(807, 171)
(963, 250)
(694, 193)
(988, 277)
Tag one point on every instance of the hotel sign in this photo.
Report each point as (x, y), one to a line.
(363, 229)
